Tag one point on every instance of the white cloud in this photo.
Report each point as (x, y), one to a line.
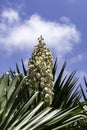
(10, 15)
(59, 36)
(2, 27)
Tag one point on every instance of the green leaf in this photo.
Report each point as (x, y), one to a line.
(28, 117)
(23, 66)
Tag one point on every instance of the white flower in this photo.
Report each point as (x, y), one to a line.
(38, 76)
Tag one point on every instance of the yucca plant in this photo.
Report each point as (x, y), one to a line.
(16, 115)
(82, 90)
(82, 124)
(66, 89)
(32, 101)
(41, 72)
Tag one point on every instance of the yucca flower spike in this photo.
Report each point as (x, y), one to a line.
(40, 69)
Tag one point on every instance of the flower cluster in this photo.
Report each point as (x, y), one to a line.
(40, 68)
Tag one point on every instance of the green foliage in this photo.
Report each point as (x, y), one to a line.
(13, 103)
(21, 111)
(16, 115)
(82, 90)
(66, 92)
(82, 124)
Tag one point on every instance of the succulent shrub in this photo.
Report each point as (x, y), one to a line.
(40, 69)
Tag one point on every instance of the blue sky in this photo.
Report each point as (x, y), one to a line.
(63, 24)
